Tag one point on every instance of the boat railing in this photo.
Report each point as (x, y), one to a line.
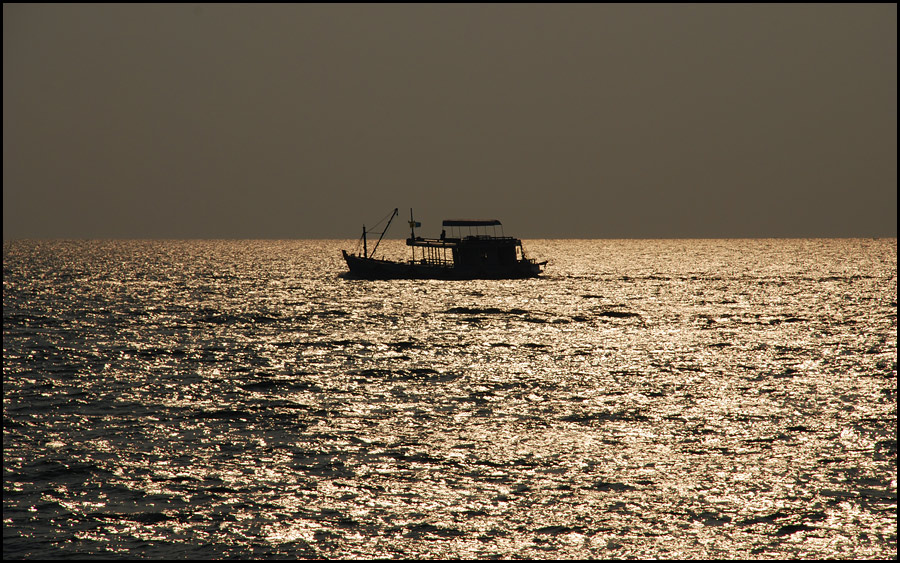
(490, 238)
(432, 262)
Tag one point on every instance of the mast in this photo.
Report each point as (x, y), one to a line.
(412, 235)
(365, 251)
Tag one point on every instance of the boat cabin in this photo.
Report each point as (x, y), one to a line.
(471, 245)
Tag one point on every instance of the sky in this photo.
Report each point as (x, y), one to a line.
(297, 121)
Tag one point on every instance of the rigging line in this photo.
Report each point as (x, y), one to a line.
(359, 241)
(376, 225)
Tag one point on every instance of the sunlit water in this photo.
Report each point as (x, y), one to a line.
(683, 398)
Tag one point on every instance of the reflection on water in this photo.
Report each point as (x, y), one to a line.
(691, 399)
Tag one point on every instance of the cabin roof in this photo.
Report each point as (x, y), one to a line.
(471, 223)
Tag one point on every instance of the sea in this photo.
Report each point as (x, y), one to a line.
(674, 399)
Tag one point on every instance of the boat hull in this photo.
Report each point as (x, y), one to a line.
(373, 269)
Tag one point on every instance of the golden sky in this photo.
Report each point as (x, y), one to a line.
(580, 120)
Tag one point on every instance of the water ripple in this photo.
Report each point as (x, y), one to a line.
(683, 399)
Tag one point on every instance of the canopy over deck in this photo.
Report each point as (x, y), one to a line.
(471, 223)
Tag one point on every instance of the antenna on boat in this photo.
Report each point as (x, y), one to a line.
(394, 214)
(412, 225)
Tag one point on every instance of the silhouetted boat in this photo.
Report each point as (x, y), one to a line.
(468, 253)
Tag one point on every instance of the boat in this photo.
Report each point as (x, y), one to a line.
(472, 250)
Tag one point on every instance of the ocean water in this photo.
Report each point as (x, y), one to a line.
(642, 399)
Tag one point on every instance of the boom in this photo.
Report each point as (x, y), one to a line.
(394, 214)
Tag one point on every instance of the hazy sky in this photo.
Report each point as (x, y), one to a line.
(306, 121)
